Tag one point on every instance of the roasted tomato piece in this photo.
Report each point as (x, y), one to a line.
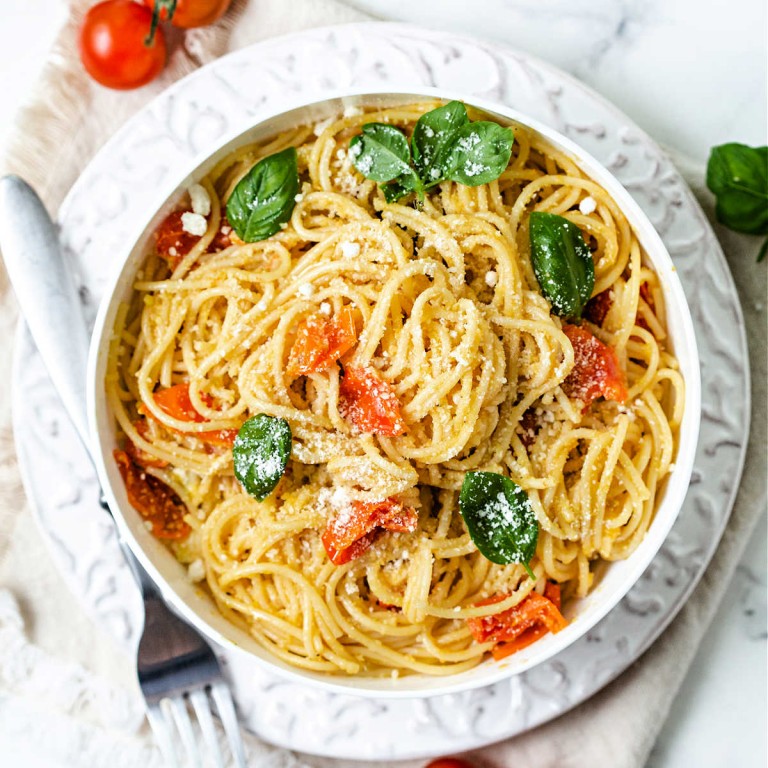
(352, 552)
(153, 500)
(173, 241)
(596, 371)
(352, 531)
(449, 762)
(175, 401)
(521, 625)
(321, 341)
(370, 403)
(598, 307)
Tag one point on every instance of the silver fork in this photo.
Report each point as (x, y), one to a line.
(176, 667)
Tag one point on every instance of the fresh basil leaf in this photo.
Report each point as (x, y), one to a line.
(445, 145)
(433, 135)
(479, 153)
(402, 186)
(562, 262)
(261, 451)
(264, 198)
(499, 518)
(380, 152)
(738, 176)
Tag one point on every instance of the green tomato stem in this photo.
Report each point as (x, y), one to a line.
(160, 5)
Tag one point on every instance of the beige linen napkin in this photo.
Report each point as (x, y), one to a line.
(615, 729)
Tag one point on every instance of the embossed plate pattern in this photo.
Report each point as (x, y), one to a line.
(114, 192)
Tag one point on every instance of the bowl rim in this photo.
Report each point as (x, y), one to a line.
(676, 483)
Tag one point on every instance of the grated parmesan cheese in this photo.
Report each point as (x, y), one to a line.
(588, 205)
(194, 223)
(350, 250)
(491, 278)
(352, 111)
(306, 289)
(325, 308)
(196, 570)
(201, 200)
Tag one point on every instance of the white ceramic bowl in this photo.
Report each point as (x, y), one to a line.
(197, 607)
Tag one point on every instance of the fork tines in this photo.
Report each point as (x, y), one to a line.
(171, 722)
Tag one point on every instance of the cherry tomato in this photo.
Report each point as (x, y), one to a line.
(370, 403)
(348, 536)
(321, 341)
(112, 45)
(189, 13)
(173, 241)
(596, 369)
(153, 500)
(449, 762)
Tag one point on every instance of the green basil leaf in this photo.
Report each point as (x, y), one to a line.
(402, 186)
(433, 135)
(562, 262)
(380, 152)
(264, 198)
(261, 451)
(738, 176)
(445, 145)
(479, 153)
(499, 518)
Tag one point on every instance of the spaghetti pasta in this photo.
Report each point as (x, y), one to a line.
(450, 318)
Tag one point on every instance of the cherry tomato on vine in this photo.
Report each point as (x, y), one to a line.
(113, 45)
(449, 762)
(189, 13)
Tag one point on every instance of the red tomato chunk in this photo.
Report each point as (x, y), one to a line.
(518, 627)
(596, 371)
(176, 403)
(321, 341)
(349, 534)
(370, 403)
(173, 241)
(153, 500)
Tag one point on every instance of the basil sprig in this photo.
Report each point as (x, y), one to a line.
(264, 198)
(261, 451)
(738, 177)
(562, 262)
(381, 153)
(499, 518)
(446, 145)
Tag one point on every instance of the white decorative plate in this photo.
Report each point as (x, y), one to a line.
(115, 191)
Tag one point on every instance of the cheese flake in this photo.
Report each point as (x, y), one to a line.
(306, 289)
(193, 223)
(350, 250)
(200, 199)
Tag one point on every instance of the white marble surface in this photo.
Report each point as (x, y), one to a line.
(693, 74)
